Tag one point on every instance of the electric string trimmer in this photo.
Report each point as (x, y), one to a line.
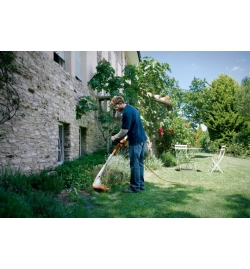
(98, 183)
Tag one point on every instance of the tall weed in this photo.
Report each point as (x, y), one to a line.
(117, 172)
(152, 162)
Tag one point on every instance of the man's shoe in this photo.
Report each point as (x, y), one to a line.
(142, 189)
(130, 191)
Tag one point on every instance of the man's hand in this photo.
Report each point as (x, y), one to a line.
(119, 136)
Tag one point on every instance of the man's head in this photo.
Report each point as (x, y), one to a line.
(118, 103)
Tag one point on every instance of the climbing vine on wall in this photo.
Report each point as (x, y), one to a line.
(9, 97)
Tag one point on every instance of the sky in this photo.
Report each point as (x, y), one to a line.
(185, 65)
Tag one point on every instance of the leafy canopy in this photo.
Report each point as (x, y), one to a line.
(138, 86)
(220, 114)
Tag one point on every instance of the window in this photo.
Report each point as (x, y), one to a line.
(60, 144)
(64, 145)
(78, 65)
(59, 57)
(104, 103)
(82, 140)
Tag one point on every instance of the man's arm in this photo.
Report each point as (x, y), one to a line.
(120, 135)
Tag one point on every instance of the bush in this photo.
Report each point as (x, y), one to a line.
(14, 181)
(47, 182)
(79, 173)
(152, 162)
(168, 159)
(236, 149)
(117, 172)
(13, 205)
(45, 206)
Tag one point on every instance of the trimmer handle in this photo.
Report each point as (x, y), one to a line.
(120, 144)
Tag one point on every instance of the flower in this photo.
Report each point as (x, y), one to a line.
(161, 131)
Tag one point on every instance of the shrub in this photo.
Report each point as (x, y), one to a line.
(236, 149)
(79, 172)
(14, 181)
(168, 159)
(152, 162)
(45, 206)
(117, 172)
(47, 182)
(13, 205)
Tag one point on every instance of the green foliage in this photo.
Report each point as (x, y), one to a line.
(240, 144)
(221, 117)
(149, 76)
(152, 77)
(204, 140)
(13, 205)
(36, 195)
(198, 136)
(194, 101)
(243, 137)
(242, 98)
(105, 80)
(29, 196)
(79, 173)
(14, 181)
(117, 173)
(236, 149)
(19, 183)
(9, 98)
(45, 206)
(232, 185)
(47, 182)
(168, 158)
(8, 67)
(178, 132)
(214, 105)
(201, 138)
(85, 105)
(214, 146)
(152, 162)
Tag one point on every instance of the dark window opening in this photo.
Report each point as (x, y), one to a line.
(59, 60)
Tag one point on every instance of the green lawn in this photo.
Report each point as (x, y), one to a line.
(184, 194)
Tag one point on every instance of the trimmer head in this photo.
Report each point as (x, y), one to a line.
(97, 185)
(99, 188)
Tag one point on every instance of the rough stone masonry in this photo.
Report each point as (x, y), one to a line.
(48, 96)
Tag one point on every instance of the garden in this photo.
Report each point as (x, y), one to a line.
(169, 193)
(222, 106)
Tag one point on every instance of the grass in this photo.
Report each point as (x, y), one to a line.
(185, 194)
(169, 193)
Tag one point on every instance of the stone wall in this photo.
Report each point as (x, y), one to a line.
(48, 96)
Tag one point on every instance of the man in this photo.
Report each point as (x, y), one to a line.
(132, 127)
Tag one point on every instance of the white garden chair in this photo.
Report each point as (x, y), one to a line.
(184, 157)
(216, 160)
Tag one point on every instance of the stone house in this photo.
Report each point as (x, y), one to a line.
(44, 132)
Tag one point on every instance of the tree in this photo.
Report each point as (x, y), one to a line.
(243, 98)
(106, 83)
(141, 83)
(220, 116)
(194, 101)
(138, 86)
(9, 98)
